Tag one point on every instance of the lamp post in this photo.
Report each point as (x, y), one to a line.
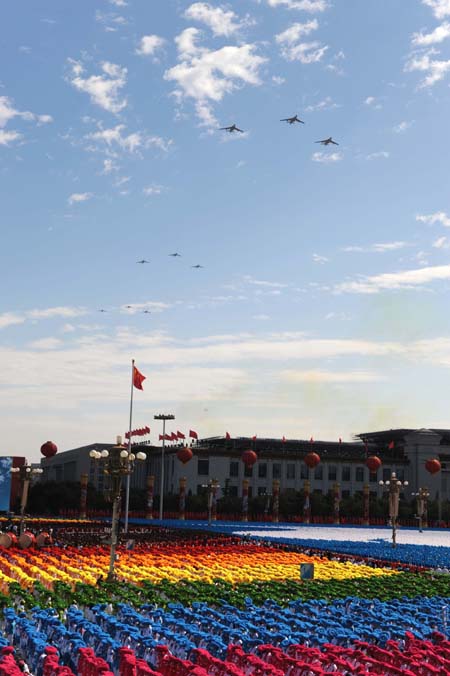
(26, 474)
(212, 486)
(421, 506)
(163, 417)
(393, 486)
(118, 462)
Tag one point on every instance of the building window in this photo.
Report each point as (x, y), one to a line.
(233, 491)
(262, 490)
(401, 474)
(386, 473)
(276, 470)
(346, 473)
(248, 471)
(234, 468)
(359, 474)
(250, 491)
(332, 472)
(303, 471)
(262, 470)
(203, 467)
(290, 470)
(345, 494)
(318, 473)
(373, 477)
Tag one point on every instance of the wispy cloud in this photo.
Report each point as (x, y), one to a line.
(153, 189)
(380, 154)
(325, 104)
(320, 259)
(149, 45)
(441, 243)
(116, 138)
(294, 49)
(220, 20)
(381, 247)
(77, 197)
(262, 282)
(319, 376)
(439, 34)
(104, 89)
(372, 102)
(431, 219)
(402, 127)
(392, 281)
(434, 68)
(327, 158)
(441, 8)
(312, 6)
(9, 112)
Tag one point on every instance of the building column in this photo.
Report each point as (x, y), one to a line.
(307, 503)
(276, 501)
(150, 493)
(182, 503)
(336, 503)
(83, 495)
(366, 505)
(245, 500)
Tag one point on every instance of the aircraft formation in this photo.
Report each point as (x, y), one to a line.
(289, 120)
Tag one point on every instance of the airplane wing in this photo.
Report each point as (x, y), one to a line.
(241, 130)
(334, 143)
(224, 128)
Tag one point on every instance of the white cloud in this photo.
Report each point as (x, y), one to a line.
(372, 102)
(441, 8)
(207, 75)
(381, 247)
(319, 259)
(49, 343)
(327, 158)
(325, 104)
(381, 154)
(330, 376)
(278, 80)
(293, 49)
(221, 21)
(389, 281)
(79, 197)
(119, 3)
(261, 282)
(311, 6)
(7, 137)
(153, 189)
(10, 319)
(441, 243)
(402, 127)
(52, 312)
(151, 305)
(150, 44)
(439, 34)
(104, 89)
(109, 166)
(436, 69)
(114, 138)
(431, 219)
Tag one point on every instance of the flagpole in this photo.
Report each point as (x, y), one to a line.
(127, 490)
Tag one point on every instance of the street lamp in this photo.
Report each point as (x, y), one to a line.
(211, 487)
(393, 486)
(118, 462)
(163, 417)
(26, 474)
(421, 505)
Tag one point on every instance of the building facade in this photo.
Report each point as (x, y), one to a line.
(404, 451)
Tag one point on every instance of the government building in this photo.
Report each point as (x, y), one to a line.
(404, 451)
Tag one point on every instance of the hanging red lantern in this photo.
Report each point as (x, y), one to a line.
(185, 454)
(249, 458)
(433, 465)
(312, 460)
(49, 449)
(373, 462)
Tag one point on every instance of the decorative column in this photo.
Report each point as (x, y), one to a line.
(83, 495)
(366, 505)
(245, 500)
(307, 503)
(276, 501)
(150, 493)
(214, 487)
(336, 503)
(182, 503)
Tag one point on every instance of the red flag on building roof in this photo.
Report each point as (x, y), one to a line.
(180, 435)
(254, 437)
(173, 437)
(311, 441)
(283, 439)
(161, 437)
(391, 445)
(193, 435)
(168, 437)
(340, 440)
(227, 435)
(138, 378)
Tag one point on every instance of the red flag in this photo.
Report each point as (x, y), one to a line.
(167, 437)
(227, 435)
(173, 437)
(138, 379)
(311, 441)
(180, 435)
(391, 445)
(161, 437)
(340, 440)
(193, 435)
(254, 437)
(283, 439)
(147, 429)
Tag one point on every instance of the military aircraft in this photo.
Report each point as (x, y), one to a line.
(327, 141)
(103, 310)
(146, 312)
(175, 255)
(196, 266)
(231, 129)
(292, 120)
(142, 261)
(128, 307)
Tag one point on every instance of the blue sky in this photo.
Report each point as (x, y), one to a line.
(322, 306)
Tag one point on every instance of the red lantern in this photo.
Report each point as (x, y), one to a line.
(433, 466)
(49, 449)
(312, 460)
(185, 454)
(249, 458)
(373, 462)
